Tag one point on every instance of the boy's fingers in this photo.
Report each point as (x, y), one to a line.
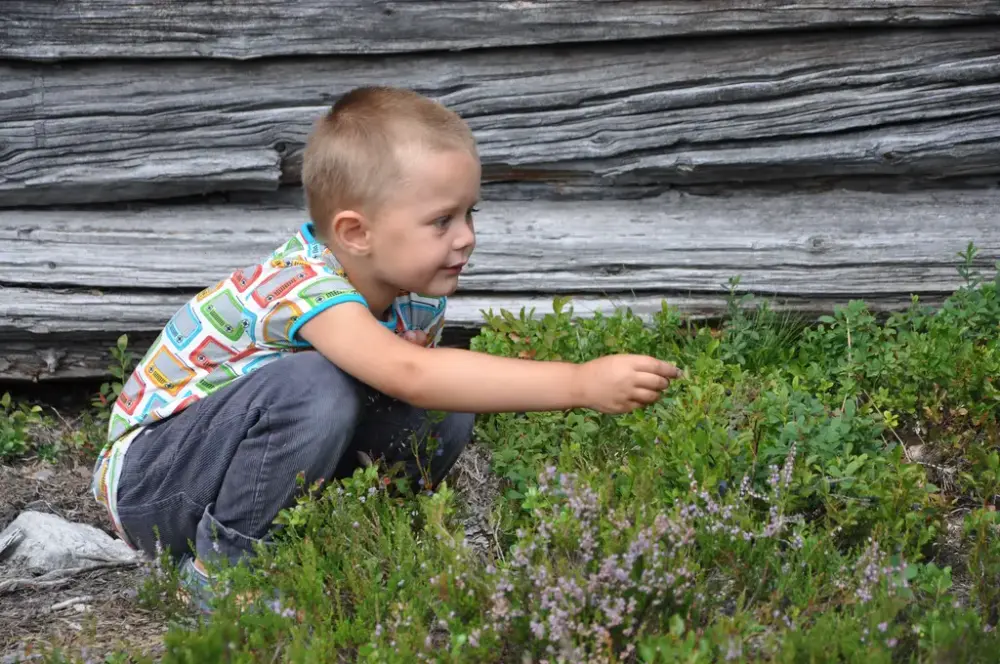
(651, 381)
(644, 396)
(415, 336)
(660, 368)
(672, 371)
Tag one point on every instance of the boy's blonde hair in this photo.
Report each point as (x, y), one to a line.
(352, 157)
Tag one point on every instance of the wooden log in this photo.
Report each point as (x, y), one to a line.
(796, 107)
(55, 311)
(63, 335)
(838, 244)
(57, 29)
(87, 356)
(72, 281)
(54, 334)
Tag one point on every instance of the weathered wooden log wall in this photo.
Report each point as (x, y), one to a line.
(634, 150)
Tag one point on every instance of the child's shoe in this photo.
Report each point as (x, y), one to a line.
(197, 589)
(196, 586)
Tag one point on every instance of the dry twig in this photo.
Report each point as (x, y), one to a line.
(59, 576)
(70, 602)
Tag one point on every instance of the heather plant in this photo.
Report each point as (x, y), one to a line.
(589, 577)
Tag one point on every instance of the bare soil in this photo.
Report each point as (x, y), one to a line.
(478, 490)
(106, 615)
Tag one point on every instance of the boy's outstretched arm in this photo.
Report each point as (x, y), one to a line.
(457, 380)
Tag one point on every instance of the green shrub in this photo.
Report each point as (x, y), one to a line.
(786, 502)
(15, 423)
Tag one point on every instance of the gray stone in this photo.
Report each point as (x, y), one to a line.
(50, 543)
(43, 475)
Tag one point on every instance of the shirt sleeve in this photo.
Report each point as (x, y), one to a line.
(285, 295)
(426, 314)
(436, 328)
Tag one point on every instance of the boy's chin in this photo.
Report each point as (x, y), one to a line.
(440, 291)
(442, 287)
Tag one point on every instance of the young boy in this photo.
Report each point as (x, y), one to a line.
(325, 349)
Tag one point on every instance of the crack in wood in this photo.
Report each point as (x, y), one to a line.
(803, 107)
(46, 30)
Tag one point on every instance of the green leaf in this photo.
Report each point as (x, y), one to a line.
(853, 466)
(676, 625)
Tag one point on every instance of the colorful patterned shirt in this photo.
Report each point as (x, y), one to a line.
(250, 318)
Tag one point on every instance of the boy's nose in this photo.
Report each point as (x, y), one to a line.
(465, 238)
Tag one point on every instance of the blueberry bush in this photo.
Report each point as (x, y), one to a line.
(811, 491)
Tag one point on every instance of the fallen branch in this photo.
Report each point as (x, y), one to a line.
(59, 576)
(12, 585)
(70, 602)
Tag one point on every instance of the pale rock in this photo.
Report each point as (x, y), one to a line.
(43, 475)
(50, 542)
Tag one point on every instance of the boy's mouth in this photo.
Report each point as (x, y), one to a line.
(455, 268)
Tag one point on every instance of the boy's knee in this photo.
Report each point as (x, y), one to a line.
(452, 434)
(455, 431)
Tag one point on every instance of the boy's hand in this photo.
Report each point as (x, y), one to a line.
(622, 383)
(418, 337)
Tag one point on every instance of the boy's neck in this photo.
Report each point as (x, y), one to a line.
(379, 296)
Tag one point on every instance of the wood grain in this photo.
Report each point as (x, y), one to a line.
(57, 335)
(838, 244)
(72, 280)
(58, 29)
(799, 107)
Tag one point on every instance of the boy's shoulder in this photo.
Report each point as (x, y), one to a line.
(303, 248)
(247, 319)
(302, 244)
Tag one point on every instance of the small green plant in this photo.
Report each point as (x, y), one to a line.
(967, 270)
(754, 335)
(982, 530)
(120, 370)
(16, 421)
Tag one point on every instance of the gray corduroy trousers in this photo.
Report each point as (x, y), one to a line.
(218, 472)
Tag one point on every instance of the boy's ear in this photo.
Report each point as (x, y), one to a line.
(349, 230)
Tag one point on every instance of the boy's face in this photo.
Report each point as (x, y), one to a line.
(423, 235)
